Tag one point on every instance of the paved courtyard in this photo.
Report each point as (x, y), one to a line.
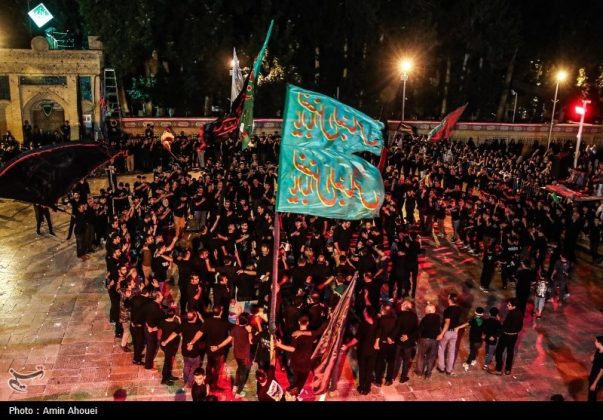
(54, 317)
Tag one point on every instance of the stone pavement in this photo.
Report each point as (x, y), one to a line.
(54, 314)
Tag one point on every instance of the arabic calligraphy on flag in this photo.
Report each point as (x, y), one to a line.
(319, 173)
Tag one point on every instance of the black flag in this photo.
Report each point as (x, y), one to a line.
(44, 175)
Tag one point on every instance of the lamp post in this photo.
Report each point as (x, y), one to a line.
(580, 110)
(559, 77)
(514, 105)
(232, 76)
(405, 67)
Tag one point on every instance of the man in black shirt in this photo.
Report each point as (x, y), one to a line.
(301, 349)
(243, 242)
(80, 225)
(300, 273)
(42, 212)
(170, 341)
(74, 202)
(317, 242)
(261, 341)
(396, 280)
(245, 283)
(191, 334)
(385, 344)
(512, 326)
(320, 270)
(184, 263)
(595, 378)
(193, 294)
(217, 337)
(268, 389)
(317, 312)
(342, 238)
(148, 132)
(137, 305)
(199, 388)
(154, 315)
(510, 258)
(368, 292)
(427, 334)
(367, 354)
(411, 265)
(241, 336)
(448, 335)
(264, 263)
(297, 238)
(222, 292)
(406, 327)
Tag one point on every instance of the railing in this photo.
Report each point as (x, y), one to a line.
(60, 40)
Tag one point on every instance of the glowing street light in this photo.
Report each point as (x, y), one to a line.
(580, 110)
(559, 78)
(405, 68)
(405, 65)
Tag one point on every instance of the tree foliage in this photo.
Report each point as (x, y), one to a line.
(474, 51)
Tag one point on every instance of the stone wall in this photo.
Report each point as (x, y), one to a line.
(464, 131)
(519, 132)
(40, 61)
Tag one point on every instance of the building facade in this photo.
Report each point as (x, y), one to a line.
(48, 88)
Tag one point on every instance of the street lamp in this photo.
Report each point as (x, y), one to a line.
(559, 77)
(231, 73)
(580, 110)
(515, 105)
(405, 67)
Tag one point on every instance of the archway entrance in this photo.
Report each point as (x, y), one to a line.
(47, 116)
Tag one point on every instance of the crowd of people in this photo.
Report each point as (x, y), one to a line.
(33, 138)
(189, 259)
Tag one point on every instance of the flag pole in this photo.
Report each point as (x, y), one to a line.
(274, 287)
(232, 77)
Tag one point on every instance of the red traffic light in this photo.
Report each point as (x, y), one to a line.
(578, 109)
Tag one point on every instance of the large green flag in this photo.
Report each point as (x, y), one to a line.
(246, 125)
(319, 174)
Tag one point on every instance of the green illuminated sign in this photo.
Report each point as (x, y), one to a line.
(40, 15)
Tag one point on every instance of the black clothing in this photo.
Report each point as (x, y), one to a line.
(42, 213)
(367, 355)
(477, 326)
(525, 278)
(189, 330)
(594, 371)
(137, 305)
(300, 358)
(199, 392)
(343, 238)
(171, 348)
(453, 313)
(154, 314)
(429, 327)
(215, 330)
(407, 324)
(262, 390)
(492, 328)
(245, 285)
(513, 323)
